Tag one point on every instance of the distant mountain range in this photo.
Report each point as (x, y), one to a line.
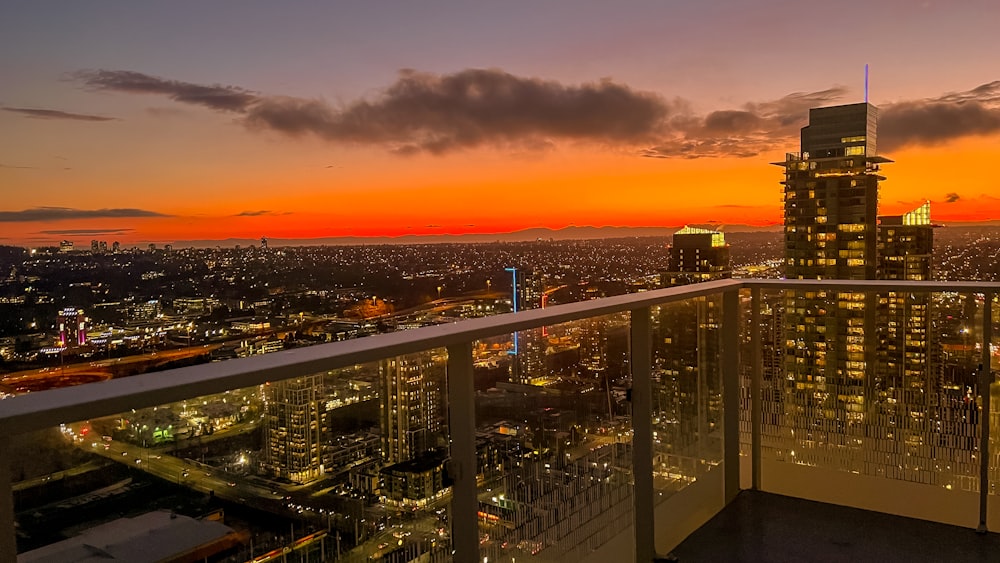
(566, 233)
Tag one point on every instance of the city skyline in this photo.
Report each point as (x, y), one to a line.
(254, 122)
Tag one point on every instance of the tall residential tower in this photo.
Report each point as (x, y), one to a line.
(831, 199)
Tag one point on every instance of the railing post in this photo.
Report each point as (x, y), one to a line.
(756, 377)
(642, 433)
(731, 390)
(462, 468)
(8, 537)
(985, 380)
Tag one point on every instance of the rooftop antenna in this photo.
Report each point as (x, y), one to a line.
(866, 83)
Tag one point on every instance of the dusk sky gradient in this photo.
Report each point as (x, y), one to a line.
(209, 120)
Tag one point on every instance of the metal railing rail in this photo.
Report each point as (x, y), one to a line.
(36, 411)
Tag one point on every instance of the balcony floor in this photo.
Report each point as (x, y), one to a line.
(766, 527)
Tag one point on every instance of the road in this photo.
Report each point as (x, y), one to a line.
(98, 370)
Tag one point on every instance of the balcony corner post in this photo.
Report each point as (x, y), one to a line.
(642, 438)
(985, 381)
(756, 377)
(8, 536)
(731, 391)
(462, 423)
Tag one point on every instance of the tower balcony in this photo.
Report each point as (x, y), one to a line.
(709, 422)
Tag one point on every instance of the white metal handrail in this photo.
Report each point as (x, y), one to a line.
(36, 411)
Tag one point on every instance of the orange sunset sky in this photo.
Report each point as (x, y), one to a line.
(201, 121)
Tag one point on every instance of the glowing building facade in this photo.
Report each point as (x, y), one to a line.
(696, 255)
(687, 350)
(413, 411)
(72, 327)
(528, 363)
(293, 428)
(831, 199)
(908, 371)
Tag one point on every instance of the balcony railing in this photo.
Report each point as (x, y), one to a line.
(732, 386)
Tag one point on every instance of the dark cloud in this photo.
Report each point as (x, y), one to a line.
(431, 113)
(952, 197)
(217, 97)
(440, 113)
(938, 120)
(65, 213)
(730, 121)
(86, 232)
(692, 147)
(37, 113)
(254, 213)
(749, 131)
(166, 112)
(424, 112)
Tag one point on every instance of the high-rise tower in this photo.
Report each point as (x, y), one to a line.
(413, 411)
(528, 363)
(687, 350)
(831, 199)
(293, 428)
(697, 255)
(906, 370)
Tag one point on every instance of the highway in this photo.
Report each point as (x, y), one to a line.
(98, 370)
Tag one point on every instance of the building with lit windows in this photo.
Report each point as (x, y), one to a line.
(687, 344)
(72, 327)
(293, 428)
(412, 410)
(696, 255)
(907, 372)
(528, 364)
(831, 199)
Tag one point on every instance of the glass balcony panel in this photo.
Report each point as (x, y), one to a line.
(687, 416)
(555, 440)
(876, 402)
(340, 465)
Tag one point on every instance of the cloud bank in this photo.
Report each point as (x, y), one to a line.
(222, 98)
(37, 113)
(67, 213)
(441, 113)
(261, 213)
(86, 232)
(934, 121)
